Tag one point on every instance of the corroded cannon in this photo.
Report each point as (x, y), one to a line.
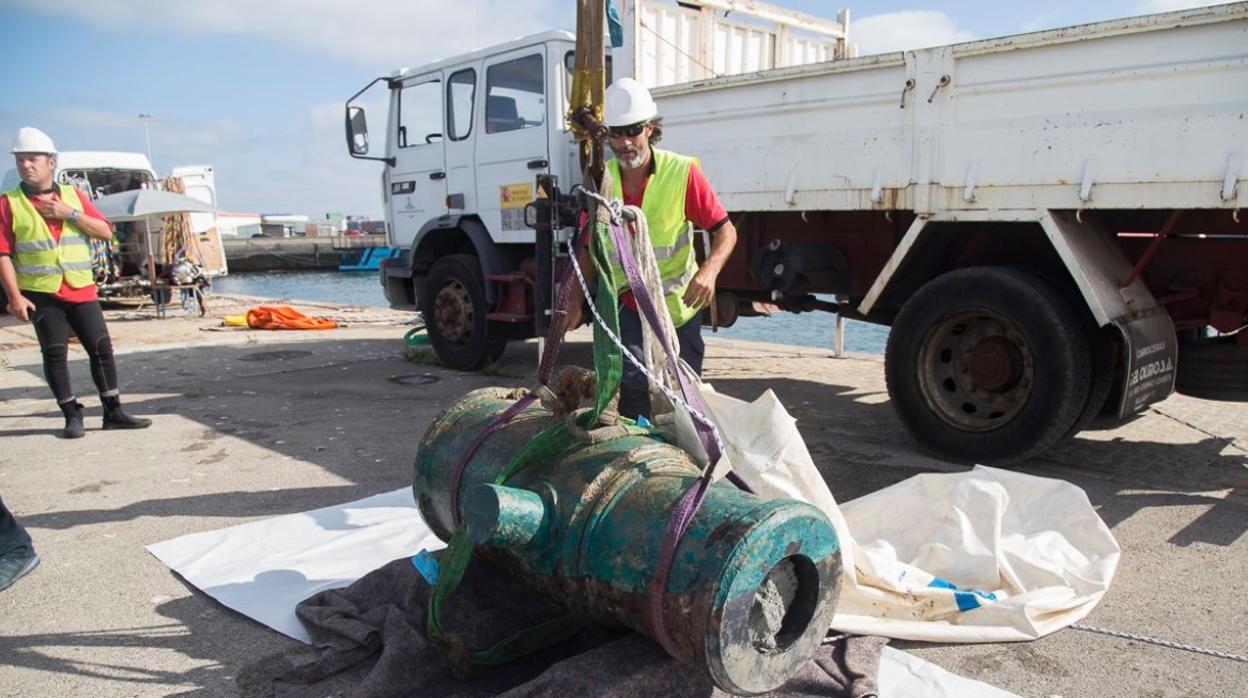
(754, 584)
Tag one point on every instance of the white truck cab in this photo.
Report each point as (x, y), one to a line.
(467, 136)
(465, 139)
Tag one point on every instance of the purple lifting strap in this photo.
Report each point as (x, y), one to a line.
(492, 427)
(688, 504)
(645, 304)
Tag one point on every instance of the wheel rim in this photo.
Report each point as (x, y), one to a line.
(452, 310)
(976, 370)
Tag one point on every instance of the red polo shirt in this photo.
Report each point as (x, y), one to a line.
(87, 293)
(702, 208)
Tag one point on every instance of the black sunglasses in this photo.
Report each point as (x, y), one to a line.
(627, 131)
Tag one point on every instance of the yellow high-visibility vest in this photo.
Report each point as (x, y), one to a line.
(40, 260)
(671, 233)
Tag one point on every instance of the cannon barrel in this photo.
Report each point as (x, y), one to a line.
(754, 584)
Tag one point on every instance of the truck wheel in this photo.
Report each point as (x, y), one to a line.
(454, 307)
(1213, 369)
(988, 364)
(1105, 349)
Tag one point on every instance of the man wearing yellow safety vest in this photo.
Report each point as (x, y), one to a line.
(45, 269)
(676, 197)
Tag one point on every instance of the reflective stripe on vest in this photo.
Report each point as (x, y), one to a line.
(39, 260)
(680, 282)
(671, 234)
(668, 251)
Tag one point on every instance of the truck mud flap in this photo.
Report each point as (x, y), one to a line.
(1098, 268)
(1152, 350)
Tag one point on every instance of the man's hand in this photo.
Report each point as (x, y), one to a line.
(53, 208)
(20, 307)
(575, 315)
(701, 289)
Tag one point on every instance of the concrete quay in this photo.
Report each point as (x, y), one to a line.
(286, 254)
(252, 424)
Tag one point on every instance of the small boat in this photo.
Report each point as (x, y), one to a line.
(366, 258)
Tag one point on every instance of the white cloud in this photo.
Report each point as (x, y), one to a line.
(387, 33)
(1151, 6)
(174, 141)
(910, 29)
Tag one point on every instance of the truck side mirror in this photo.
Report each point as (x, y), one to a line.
(357, 131)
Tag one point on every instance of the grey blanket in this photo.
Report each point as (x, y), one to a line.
(368, 640)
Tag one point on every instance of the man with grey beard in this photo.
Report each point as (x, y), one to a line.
(676, 197)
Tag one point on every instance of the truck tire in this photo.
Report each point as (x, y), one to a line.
(1213, 369)
(1105, 349)
(988, 365)
(453, 304)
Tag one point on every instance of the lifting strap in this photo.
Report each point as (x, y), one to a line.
(550, 442)
(687, 506)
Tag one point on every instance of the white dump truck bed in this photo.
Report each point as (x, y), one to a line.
(1145, 112)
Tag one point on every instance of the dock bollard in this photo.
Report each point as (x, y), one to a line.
(754, 584)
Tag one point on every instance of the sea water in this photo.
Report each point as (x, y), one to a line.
(363, 288)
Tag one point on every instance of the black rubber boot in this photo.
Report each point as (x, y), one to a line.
(116, 418)
(73, 419)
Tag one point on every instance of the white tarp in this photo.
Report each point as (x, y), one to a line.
(263, 569)
(986, 555)
(904, 675)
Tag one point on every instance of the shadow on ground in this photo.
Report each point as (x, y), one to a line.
(357, 409)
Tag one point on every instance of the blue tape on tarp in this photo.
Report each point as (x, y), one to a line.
(967, 599)
(427, 565)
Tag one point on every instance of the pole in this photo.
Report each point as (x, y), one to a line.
(151, 263)
(588, 84)
(146, 137)
(840, 328)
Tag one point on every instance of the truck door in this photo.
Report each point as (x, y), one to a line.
(418, 177)
(461, 112)
(512, 146)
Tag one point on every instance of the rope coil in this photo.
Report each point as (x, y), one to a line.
(654, 380)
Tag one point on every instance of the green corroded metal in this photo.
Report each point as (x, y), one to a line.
(754, 583)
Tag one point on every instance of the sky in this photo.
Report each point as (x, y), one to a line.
(256, 88)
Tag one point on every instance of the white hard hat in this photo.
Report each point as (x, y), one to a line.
(628, 102)
(32, 140)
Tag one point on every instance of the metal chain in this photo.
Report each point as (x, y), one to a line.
(834, 639)
(671, 395)
(1158, 641)
(615, 206)
(1126, 636)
